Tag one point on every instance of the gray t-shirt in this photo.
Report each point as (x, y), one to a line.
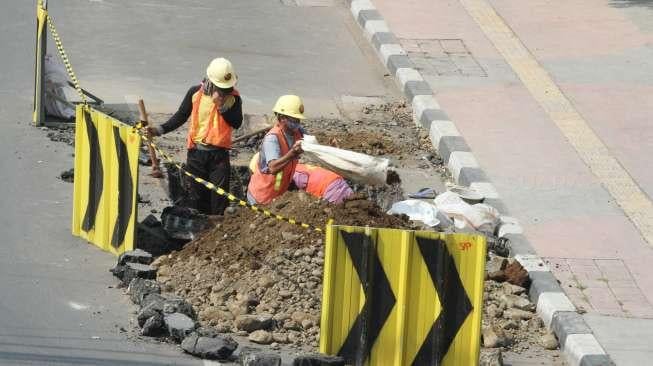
(271, 150)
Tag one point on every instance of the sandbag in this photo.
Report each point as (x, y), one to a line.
(360, 168)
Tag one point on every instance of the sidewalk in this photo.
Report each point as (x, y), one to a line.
(516, 122)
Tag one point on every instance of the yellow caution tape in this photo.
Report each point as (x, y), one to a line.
(221, 191)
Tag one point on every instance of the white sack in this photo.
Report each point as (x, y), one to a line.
(416, 210)
(56, 81)
(358, 167)
(479, 216)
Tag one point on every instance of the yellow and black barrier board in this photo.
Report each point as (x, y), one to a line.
(106, 180)
(402, 297)
(38, 114)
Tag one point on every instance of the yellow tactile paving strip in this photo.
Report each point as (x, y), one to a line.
(634, 202)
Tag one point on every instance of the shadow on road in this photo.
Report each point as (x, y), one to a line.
(631, 3)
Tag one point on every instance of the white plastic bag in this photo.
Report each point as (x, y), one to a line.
(358, 167)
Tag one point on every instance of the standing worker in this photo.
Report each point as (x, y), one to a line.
(322, 183)
(279, 152)
(215, 109)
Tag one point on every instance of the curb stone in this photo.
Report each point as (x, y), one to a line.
(577, 342)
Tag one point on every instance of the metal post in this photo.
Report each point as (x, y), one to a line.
(38, 116)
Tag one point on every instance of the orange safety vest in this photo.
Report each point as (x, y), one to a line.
(319, 179)
(218, 132)
(266, 187)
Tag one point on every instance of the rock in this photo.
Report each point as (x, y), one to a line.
(179, 305)
(493, 311)
(549, 341)
(285, 294)
(318, 360)
(491, 357)
(251, 323)
(510, 289)
(118, 271)
(535, 323)
(248, 299)
(288, 236)
(517, 275)
(498, 276)
(259, 359)
(154, 326)
(280, 337)
(517, 314)
(495, 264)
(261, 337)
(179, 326)
(212, 348)
(68, 175)
(150, 306)
(238, 308)
(135, 256)
(510, 324)
(307, 323)
(514, 301)
(139, 288)
(215, 313)
(300, 316)
(266, 281)
(493, 338)
(291, 325)
(136, 270)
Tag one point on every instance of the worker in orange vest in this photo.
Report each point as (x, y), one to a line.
(279, 152)
(215, 109)
(321, 183)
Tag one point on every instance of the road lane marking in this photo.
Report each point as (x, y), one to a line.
(633, 201)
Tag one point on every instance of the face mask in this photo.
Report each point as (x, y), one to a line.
(293, 125)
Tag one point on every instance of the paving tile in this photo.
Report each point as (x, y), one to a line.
(444, 66)
(629, 293)
(580, 262)
(453, 46)
(433, 48)
(595, 283)
(410, 45)
(621, 283)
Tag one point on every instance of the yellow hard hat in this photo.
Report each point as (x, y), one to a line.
(290, 105)
(221, 73)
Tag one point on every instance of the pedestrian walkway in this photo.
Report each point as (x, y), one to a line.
(554, 102)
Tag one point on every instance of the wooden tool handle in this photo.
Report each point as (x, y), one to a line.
(156, 170)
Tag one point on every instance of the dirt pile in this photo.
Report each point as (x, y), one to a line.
(509, 320)
(252, 275)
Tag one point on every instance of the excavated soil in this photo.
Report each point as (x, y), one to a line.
(252, 264)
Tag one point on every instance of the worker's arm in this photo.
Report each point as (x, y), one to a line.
(234, 114)
(181, 116)
(277, 165)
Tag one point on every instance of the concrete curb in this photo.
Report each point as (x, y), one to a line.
(577, 341)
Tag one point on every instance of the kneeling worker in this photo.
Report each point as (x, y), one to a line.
(279, 152)
(322, 183)
(215, 109)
